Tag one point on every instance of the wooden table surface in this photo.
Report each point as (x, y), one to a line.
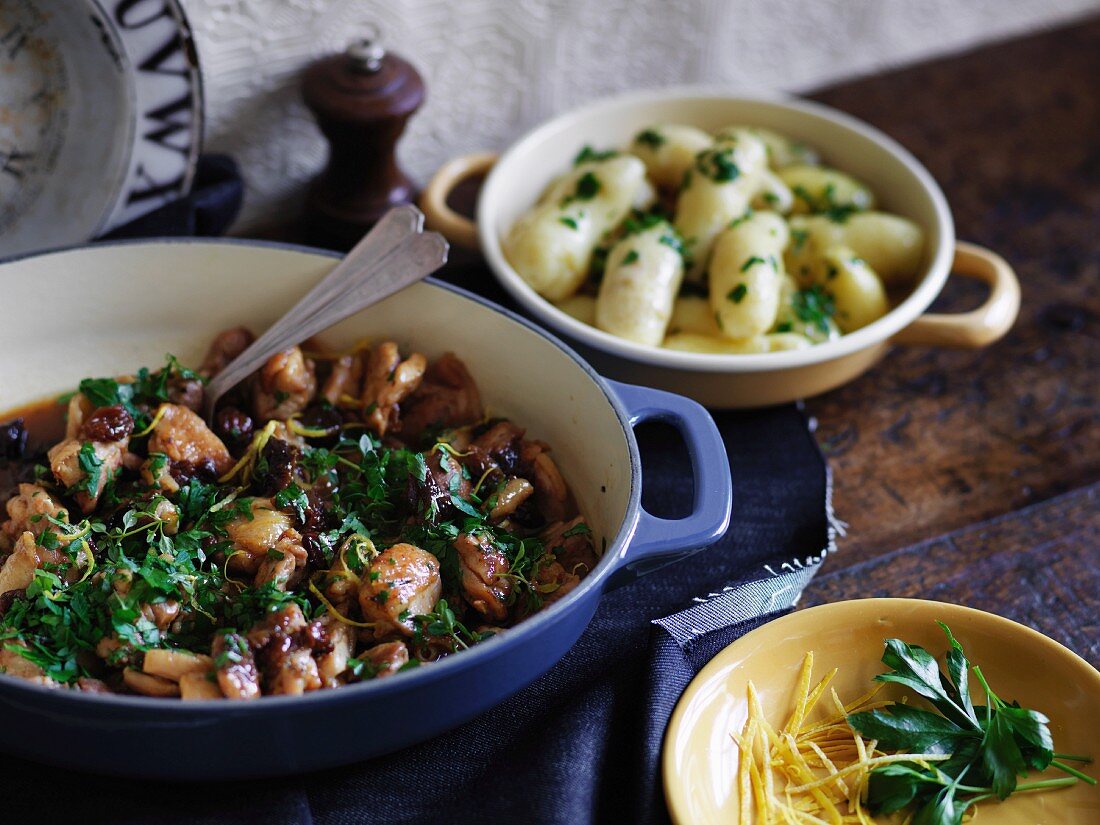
(974, 476)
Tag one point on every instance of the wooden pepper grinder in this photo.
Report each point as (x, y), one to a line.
(362, 100)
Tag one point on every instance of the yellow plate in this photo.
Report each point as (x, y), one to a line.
(701, 759)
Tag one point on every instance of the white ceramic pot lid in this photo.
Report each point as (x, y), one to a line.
(100, 116)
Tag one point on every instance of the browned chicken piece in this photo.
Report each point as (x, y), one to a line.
(403, 582)
(66, 462)
(187, 392)
(28, 511)
(502, 443)
(266, 545)
(508, 497)
(284, 385)
(284, 643)
(448, 397)
(111, 650)
(224, 348)
(184, 437)
(347, 371)
(162, 614)
(553, 582)
(443, 481)
(460, 438)
(286, 621)
(293, 672)
(155, 472)
(13, 663)
(386, 659)
(235, 666)
(551, 491)
(284, 563)
(387, 382)
(86, 684)
(340, 585)
(332, 664)
(484, 586)
(168, 516)
(575, 551)
(18, 569)
(79, 409)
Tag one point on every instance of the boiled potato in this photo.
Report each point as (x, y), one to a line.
(784, 341)
(746, 274)
(892, 246)
(693, 314)
(551, 245)
(668, 151)
(773, 194)
(717, 190)
(806, 313)
(818, 189)
(640, 284)
(693, 342)
(857, 291)
(782, 151)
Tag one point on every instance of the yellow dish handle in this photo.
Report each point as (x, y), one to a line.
(982, 326)
(438, 215)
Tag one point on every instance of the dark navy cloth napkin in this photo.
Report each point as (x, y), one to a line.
(581, 744)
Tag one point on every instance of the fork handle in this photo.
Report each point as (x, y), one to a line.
(369, 274)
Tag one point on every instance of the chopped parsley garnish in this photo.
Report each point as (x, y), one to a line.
(798, 239)
(738, 293)
(673, 241)
(741, 219)
(815, 306)
(651, 138)
(92, 466)
(718, 165)
(568, 221)
(588, 154)
(630, 257)
(588, 186)
(751, 262)
(826, 204)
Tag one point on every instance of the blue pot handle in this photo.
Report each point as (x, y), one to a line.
(659, 541)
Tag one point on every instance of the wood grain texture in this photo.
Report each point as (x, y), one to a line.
(1039, 566)
(933, 440)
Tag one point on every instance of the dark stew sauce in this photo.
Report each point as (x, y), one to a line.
(25, 435)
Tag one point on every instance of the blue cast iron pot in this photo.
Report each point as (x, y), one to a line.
(127, 304)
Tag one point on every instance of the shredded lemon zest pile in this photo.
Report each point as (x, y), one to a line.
(153, 424)
(296, 427)
(248, 460)
(815, 769)
(336, 614)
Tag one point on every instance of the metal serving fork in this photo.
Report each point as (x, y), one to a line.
(395, 253)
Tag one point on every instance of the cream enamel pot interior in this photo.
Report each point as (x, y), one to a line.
(104, 309)
(517, 178)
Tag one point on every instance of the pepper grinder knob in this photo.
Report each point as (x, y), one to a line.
(362, 100)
